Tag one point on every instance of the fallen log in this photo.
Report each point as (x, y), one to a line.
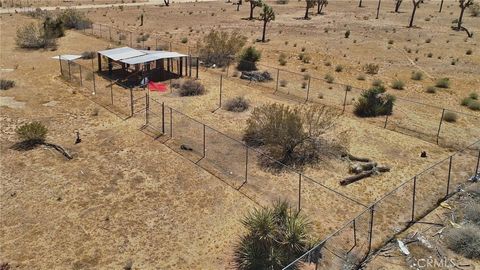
(59, 149)
(355, 178)
(361, 167)
(354, 158)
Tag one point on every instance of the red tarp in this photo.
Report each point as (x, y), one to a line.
(153, 86)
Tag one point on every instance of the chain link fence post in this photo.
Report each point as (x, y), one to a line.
(440, 125)
(413, 198)
(449, 175)
(308, 89)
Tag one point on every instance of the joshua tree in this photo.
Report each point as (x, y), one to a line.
(416, 4)
(253, 5)
(398, 3)
(463, 5)
(167, 2)
(267, 15)
(320, 5)
(310, 4)
(360, 3)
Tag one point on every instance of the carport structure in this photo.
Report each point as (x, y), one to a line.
(139, 64)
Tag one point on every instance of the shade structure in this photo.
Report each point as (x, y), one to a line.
(131, 56)
(67, 57)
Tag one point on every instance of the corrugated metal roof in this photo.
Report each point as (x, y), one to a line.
(151, 57)
(121, 53)
(131, 56)
(67, 57)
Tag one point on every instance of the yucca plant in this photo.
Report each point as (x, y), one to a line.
(276, 236)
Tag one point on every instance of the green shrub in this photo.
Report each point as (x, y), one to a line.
(237, 104)
(377, 82)
(184, 40)
(398, 84)
(417, 76)
(74, 19)
(374, 102)
(466, 101)
(339, 68)
(464, 241)
(218, 47)
(443, 83)
(450, 116)
(431, 89)
(473, 95)
(371, 68)
(474, 105)
(6, 84)
(191, 87)
(329, 78)
(32, 133)
(248, 58)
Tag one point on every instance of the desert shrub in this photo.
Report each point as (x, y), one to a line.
(361, 77)
(176, 83)
(471, 213)
(469, 52)
(328, 63)
(377, 82)
(275, 236)
(474, 105)
(371, 68)
(304, 57)
(339, 68)
(237, 104)
(347, 34)
(431, 89)
(291, 135)
(32, 133)
(219, 47)
(430, 55)
(473, 95)
(283, 83)
(74, 19)
(191, 87)
(248, 58)
(184, 40)
(304, 85)
(6, 84)
(32, 36)
(450, 117)
(348, 88)
(329, 78)
(475, 10)
(417, 75)
(282, 59)
(443, 83)
(282, 2)
(464, 241)
(53, 28)
(390, 41)
(374, 102)
(88, 55)
(428, 40)
(143, 38)
(398, 84)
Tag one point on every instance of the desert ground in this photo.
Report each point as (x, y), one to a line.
(127, 197)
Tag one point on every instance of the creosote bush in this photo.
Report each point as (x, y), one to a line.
(450, 117)
(339, 68)
(6, 84)
(371, 68)
(443, 83)
(329, 78)
(398, 84)
(417, 75)
(464, 240)
(374, 102)
(219, 47)
(237, 104)
(32, 133)
(248, 58)
(191, 87)
(293, 136)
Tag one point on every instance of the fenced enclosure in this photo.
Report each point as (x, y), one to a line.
(348, 241)
(237, 164)
(122, 100)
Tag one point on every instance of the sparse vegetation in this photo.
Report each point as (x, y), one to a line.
(431, 89)
(450, 117)
(371, 68)
(374, 102)
(219, 47)
(339, 68)
(191, 87)
(32, 36)
(6, 84)
(32, 134)
(89, 55)
(291, 135)
(443, 83)
(329, 78)
(237, 104)
(464, 240)
(398, 84)
(282, 59)
(417, 75)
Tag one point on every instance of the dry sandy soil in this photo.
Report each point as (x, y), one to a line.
(123, 197)
(120, 202)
